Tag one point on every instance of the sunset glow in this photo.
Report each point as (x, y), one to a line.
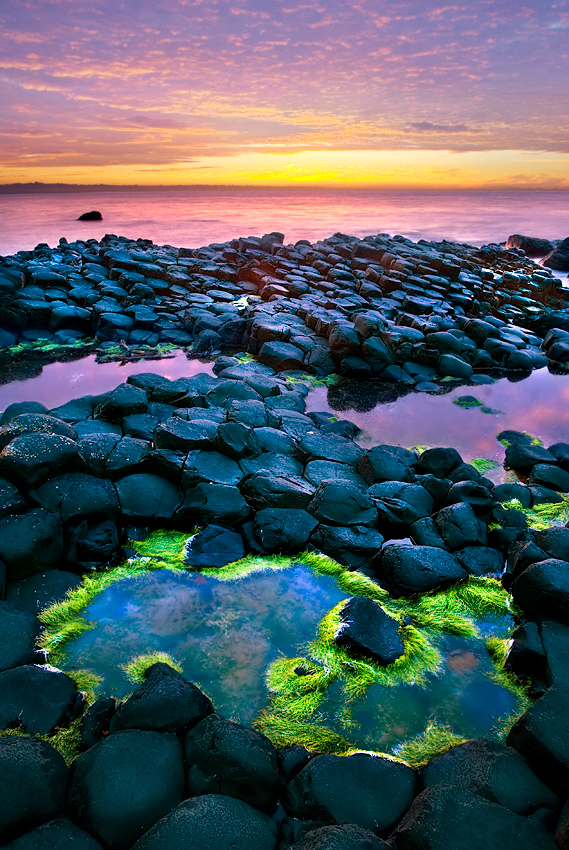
(254, 92)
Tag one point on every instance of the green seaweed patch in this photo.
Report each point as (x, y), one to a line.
(137, 668)
(498, 649)
(435, 740)
(88, 683)
(165, 546)
(483, 464)
(313, 380)
(64, 620)
(468, 402)
(41, 346)
(491, 411)
(545, 515)
(122, 352)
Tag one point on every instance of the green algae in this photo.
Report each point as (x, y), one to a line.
(468, 402)
(64, 740)
(136, 670)
(435, 740)
(545, 515)
(41, 346)
(119, 352)
(483, 465)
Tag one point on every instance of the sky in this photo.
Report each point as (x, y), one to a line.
(413, 93)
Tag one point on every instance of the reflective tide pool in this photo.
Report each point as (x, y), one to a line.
(226, 634)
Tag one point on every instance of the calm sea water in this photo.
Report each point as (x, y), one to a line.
(199, 216)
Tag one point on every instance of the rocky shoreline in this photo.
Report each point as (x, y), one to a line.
(237, 456)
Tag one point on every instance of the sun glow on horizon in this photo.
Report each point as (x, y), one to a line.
(349, 168)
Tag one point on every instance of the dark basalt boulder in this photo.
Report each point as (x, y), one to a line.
(439, 462)
(561, 452)
(477, 495)
(399, 503)
(164, 702)
(342, 503)
(35, 593)
(209, 503)
(210, 466)
(345, 837)
(11, 500)
(19, 631)
(57, 834)
(367, 631)
(526, 656)
(30, 543)
(183, 435)
(355, 547)
(95, 449)
(93, 215)
(32, 423)
(459, 526)
(481, 560)
(37, 698)
(542, 590)
(444, 818)
(95, 722)
(128, 455)
(214, 546)
(31, 459)
(274, 463)
(361, 789)
(541, 735)
(237, 440)
(211, 822)
(547, 475)
(555, 642)
(77, 494)
(524, 456)
(417, 569)
(223, 757)
(281, 355)
(265, 490)
(147, 497)
(496, 772)
(554, 541)
(283, 529)
(558, 259)
(319, 471)
(33, 783)
(318, 446)
(125, 783)
(387, 463)
(124, 400)
(530, 245)
(19, 407)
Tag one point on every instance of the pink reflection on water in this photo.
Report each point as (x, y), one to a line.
(539, 405)
(61, 382)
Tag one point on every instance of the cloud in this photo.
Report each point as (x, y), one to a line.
(427, 127)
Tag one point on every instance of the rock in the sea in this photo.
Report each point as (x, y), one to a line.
(283, 529)
(164, 702)
(19, 631)
(367, 630)
(125, 783)
(33, 783)
(362, 789)
(223, 757)
(558, 259)
(211, 822)
(530, 245)
(542, 590)
(93, 215)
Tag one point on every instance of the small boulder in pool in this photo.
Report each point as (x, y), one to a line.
(94, 215)
(366, 630)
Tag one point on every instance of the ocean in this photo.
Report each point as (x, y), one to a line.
(198, 216)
